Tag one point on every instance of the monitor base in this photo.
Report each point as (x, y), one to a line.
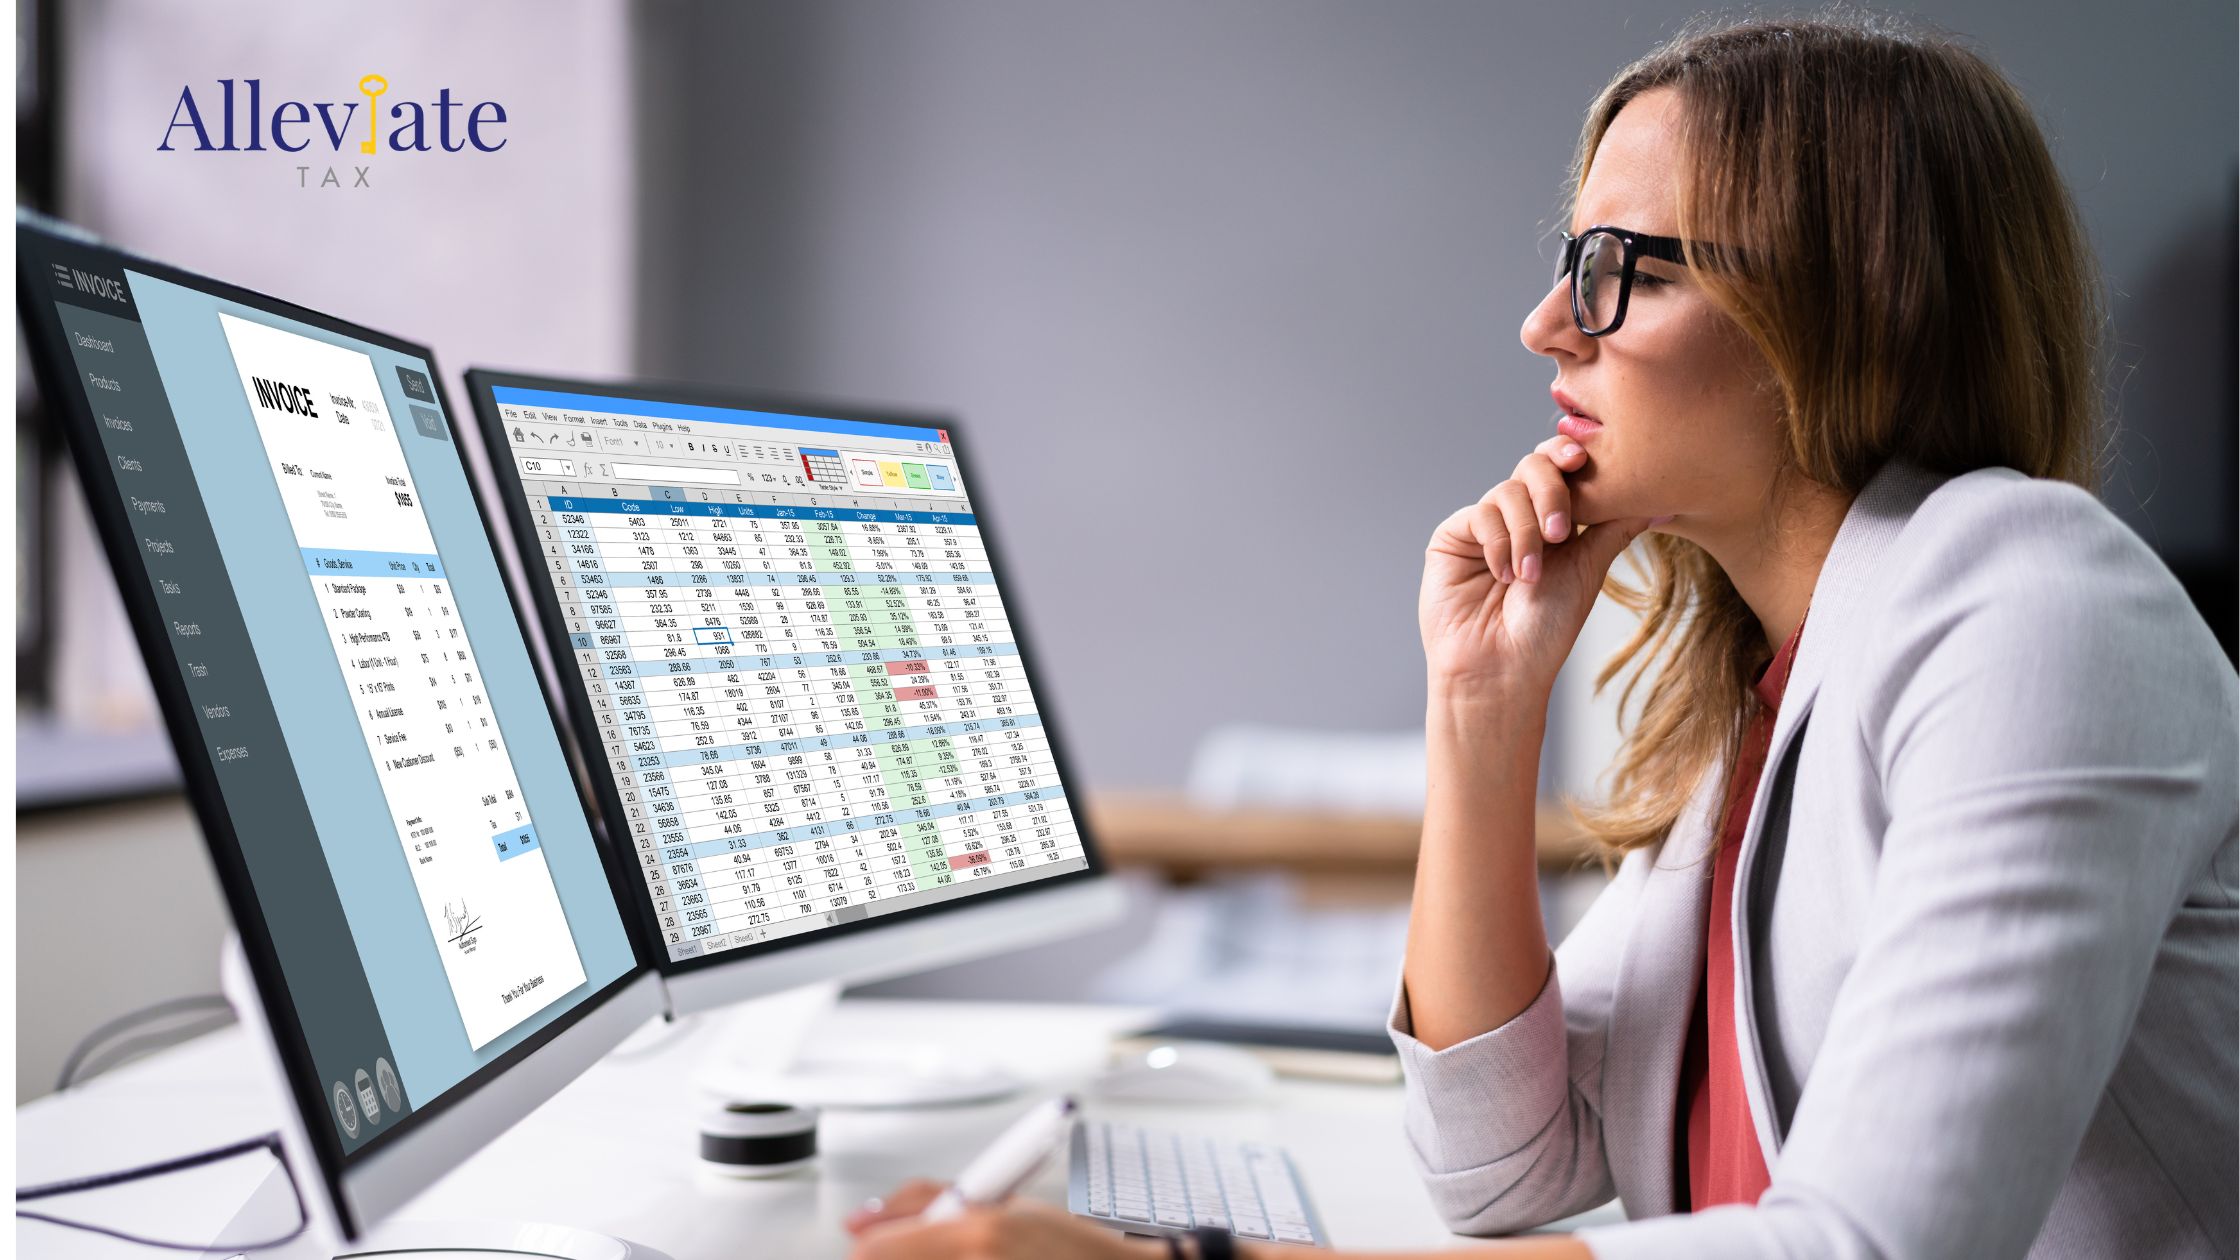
(760, 1057)
(484, 1240)
(901, 1076)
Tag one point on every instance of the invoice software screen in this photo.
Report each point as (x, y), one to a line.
(359, 679)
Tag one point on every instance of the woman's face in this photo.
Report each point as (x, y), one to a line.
(1679, 409)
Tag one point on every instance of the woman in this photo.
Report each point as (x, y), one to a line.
(1923, 940)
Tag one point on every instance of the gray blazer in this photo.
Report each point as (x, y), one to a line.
(1985, 931)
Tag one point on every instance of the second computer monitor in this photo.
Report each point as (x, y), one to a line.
(800, 683)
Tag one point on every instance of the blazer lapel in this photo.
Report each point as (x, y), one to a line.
(1876, 517)
(1658, 974)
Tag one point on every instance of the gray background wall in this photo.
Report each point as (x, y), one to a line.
(1259, 266)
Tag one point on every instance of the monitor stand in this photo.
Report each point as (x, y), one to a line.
(761, 1055)
(408, 1239)
(272, 1207)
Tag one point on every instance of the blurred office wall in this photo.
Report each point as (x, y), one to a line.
(525, 255)
(1227, 295)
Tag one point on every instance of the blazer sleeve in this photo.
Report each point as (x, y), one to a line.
(2054, 731)
(1507, 1126)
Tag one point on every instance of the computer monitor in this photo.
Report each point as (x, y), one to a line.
(432, 936)
(803, 689)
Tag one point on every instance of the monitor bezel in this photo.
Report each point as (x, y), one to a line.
(48, 350)
(481, 386)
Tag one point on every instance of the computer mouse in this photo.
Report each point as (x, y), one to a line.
(1186, 1072)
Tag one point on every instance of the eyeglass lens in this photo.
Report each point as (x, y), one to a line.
(1599, 278)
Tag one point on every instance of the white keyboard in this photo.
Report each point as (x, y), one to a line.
(1161, 1182)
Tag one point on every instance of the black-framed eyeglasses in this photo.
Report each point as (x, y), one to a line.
(1600, 262)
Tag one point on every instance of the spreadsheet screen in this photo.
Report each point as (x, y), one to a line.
(788, 635)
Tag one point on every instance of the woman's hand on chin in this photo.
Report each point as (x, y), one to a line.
(890, 1229)
(1508, 580)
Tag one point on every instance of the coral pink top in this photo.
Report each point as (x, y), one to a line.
(1720, 1160)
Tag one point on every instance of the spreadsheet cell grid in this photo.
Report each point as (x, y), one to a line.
(811, 709)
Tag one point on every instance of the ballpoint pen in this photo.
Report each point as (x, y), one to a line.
(1009, 1161)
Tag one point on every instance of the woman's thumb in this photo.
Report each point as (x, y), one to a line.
(1607, 540)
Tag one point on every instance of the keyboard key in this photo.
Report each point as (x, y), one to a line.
(1294, 1234)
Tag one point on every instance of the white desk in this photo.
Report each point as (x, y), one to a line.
(616, 1150)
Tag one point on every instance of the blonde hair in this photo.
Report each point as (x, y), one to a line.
(1912, 269)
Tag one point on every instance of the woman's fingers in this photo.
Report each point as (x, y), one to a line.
(1535, 504)
(1478, 532)
(1018, 1231)
(1518, 518)
(907, 1199)
(1551, 496)
(1567, 454)
(1515, 502)
(973, 1236)
(1491, 525)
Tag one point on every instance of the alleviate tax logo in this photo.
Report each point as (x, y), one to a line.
(235, 119)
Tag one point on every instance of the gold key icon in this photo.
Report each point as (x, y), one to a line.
(373, 85)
